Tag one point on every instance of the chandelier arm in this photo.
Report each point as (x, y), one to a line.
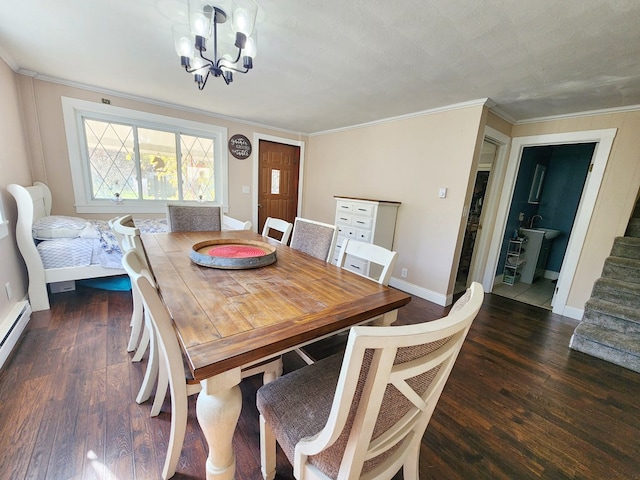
(237, 69)
(204, 82)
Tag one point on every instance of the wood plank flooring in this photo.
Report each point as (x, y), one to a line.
(519, 403)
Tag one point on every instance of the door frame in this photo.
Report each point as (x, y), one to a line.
(256, 169)
(604, 141)
(481, 249)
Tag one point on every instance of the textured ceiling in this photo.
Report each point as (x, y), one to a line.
(323, 65)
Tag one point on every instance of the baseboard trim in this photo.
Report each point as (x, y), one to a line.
(431, 296)
(573, 312)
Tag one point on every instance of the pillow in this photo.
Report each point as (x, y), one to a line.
(58, 226)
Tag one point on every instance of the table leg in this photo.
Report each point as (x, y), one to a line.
(387, 319)
(218, 409)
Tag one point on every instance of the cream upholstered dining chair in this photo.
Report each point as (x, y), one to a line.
(278, 225)
(381, 263)
(314, 238)
(362, 416)
(172, 368)
(183, 217)
(230, 223)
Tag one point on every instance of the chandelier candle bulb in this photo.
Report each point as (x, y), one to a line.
(205, 19)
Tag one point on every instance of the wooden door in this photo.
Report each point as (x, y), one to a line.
(279, 167)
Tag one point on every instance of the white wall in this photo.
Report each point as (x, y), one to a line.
(14, 168)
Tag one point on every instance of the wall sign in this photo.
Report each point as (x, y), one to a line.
(240, 146)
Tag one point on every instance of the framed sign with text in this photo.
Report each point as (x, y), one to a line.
(240, 146)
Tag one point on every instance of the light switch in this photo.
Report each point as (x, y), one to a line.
(246, 189)
(442, 193)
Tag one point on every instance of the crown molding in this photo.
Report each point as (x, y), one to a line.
(8, 60)
(446, 108)
(498, 112)
(587, 113)
(157, 103)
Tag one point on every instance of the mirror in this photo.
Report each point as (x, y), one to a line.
(536, 184)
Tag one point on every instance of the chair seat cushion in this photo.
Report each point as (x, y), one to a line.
(297, 405)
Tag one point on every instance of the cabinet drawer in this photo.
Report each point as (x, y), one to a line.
(356, 264)
(363, 209)
(362, 222)
(346, 207)
(343, 218)
(362, 235)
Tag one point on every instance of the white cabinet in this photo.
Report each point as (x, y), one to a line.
(371, 221)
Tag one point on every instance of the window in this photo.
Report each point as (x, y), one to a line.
(126, 157)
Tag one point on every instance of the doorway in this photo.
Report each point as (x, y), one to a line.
(603, 140)
(474, 216)
(547, 193)
(278, 173)
(266, 143)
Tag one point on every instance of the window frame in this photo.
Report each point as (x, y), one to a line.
(74, 111)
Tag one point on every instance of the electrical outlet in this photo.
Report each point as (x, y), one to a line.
(521, 217)
(404, 272)
(7, 287)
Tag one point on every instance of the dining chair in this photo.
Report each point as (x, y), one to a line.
(278, 225)
(123, 229)
(230, 223)
(363, 415)
(314, 238)
(172, 367)
(378, 266)
(373, 255)
(140, 322)
(194, 218)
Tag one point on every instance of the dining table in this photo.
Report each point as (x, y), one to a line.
(228, 318)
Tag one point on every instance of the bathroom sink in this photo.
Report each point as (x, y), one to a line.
(549, 233)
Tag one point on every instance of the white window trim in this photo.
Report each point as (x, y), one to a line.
(73, 109)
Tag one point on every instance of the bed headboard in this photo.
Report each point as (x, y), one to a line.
(33, 203)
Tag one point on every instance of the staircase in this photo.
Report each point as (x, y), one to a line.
(610, 326)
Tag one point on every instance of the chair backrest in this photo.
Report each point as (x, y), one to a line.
(389, 384)
(371, 253)
(230, 223)
(121, 226)
(314, 238)
(130, 235)
(278, 225)
(194, 218)
(167, 342)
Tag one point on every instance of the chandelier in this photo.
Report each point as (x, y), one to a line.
(206, 33)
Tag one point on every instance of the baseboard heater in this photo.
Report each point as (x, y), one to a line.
(12, 327)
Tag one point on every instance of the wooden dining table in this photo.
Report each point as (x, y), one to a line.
(226, 319)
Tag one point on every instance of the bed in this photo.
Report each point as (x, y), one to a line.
(58, 248)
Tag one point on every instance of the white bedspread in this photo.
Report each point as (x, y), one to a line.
(96, 245)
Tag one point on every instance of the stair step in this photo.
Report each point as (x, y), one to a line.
(626, 247)
(633, 228)
(614, 347)
(613, 316)
(626, 269)
(618, 291)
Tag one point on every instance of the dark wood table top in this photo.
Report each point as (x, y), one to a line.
(230, 318)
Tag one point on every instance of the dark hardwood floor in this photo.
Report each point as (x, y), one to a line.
(519, 403)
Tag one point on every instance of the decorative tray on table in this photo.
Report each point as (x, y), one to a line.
(232, 254)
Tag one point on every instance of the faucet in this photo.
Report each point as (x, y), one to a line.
(533, 219)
